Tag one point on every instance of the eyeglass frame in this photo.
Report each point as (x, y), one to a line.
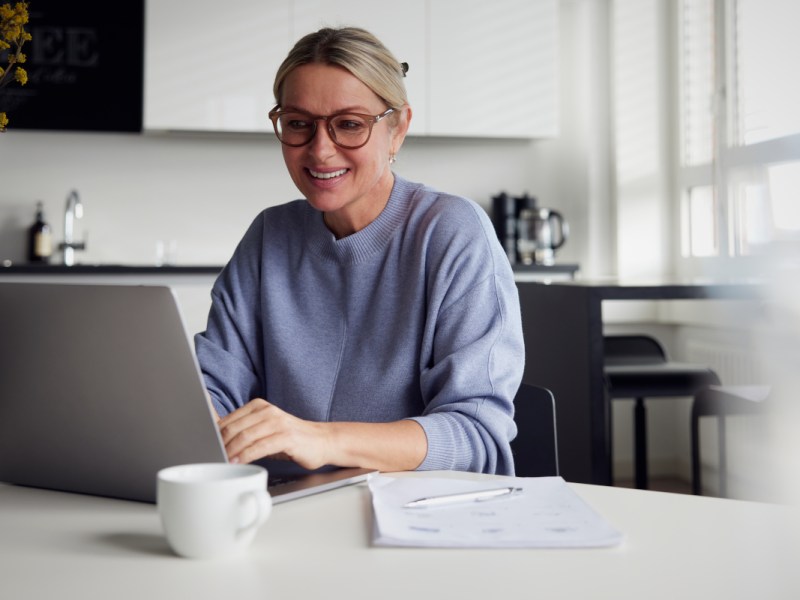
(277, 111)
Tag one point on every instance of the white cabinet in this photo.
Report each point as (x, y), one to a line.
(493, 68)
(209, 66)
(477, 68)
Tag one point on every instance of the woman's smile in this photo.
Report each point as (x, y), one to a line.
(327, 175)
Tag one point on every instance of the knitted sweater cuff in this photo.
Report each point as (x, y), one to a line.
(441, 431)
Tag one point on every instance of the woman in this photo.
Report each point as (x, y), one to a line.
(376, 322)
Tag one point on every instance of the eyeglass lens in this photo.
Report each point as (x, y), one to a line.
(347, 130)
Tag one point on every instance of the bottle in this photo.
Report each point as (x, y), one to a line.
(40, 241)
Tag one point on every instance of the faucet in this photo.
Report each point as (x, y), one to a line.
(73, 210)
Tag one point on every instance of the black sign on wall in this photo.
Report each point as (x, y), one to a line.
(85, 67)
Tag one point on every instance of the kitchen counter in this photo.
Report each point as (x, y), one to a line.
(521, 272)
(109, 269)
(560, 272)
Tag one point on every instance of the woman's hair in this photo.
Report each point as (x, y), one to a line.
(354, 49)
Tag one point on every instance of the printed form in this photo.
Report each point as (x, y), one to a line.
(543, 512)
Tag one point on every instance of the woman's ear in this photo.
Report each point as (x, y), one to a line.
(401, 128)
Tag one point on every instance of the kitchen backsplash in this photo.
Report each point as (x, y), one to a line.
(203, 192)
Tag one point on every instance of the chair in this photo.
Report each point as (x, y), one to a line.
(721, 401)
(535, 448)
(636, 366)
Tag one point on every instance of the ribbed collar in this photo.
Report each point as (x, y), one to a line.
(367, 242)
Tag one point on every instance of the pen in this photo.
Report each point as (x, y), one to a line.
(479, 496)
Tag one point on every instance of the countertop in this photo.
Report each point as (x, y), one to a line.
(108, 269)
(557, 268)
(123, 269)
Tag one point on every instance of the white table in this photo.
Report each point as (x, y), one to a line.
(56, 545)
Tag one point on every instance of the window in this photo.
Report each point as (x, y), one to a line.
(739, 174)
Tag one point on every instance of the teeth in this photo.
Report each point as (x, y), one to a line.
(330, 175)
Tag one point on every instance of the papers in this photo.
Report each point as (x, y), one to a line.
(546, 513)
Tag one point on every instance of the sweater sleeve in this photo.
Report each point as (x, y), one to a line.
(475, 355)
(229, 350)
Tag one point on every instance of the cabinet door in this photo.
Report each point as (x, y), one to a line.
(493, 68)
(209, 66)
(400, 26)
(477, 68)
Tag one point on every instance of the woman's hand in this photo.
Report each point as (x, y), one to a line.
(260, 429)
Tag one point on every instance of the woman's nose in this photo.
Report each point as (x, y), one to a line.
(322, 144)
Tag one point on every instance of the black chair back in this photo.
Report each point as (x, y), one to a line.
(632, 350)
(535, 448)
(637, 367)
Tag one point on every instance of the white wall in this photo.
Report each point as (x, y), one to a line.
(203, 191)
(641, 31)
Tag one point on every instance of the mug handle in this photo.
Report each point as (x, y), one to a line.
(263, 504)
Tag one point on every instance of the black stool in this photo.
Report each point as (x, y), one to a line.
(636, 366)
(720, 401)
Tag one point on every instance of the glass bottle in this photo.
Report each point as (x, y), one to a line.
(40, 239)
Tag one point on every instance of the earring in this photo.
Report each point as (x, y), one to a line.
(392, 159)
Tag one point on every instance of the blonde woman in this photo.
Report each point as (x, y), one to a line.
(375, 322)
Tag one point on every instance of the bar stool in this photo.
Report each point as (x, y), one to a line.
(636, 366)
(720, 401)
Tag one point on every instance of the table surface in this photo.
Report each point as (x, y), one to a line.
(642, 289)
(55, 544)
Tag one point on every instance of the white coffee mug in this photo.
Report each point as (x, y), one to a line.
(213, 509)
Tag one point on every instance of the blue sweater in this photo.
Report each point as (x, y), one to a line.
(415, 316)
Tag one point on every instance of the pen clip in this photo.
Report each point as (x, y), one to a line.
(511, 492)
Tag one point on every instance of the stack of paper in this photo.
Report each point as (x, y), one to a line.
(544, 513)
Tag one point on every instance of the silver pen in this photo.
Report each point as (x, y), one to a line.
(479, 496)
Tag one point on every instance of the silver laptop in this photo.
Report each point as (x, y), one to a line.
(100, 388)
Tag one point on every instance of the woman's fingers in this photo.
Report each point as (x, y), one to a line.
(260, 429)
(230, 420)
(247, 426)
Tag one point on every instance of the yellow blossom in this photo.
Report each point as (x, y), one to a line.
(12, 36)
(12, 22)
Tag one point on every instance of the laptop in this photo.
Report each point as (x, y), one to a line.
(100, 388)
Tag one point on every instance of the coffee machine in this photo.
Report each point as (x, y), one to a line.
(505, 214)
(529, 234)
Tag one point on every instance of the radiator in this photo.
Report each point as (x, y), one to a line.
(735, 364)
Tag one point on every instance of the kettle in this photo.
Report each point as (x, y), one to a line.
(540, 232)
